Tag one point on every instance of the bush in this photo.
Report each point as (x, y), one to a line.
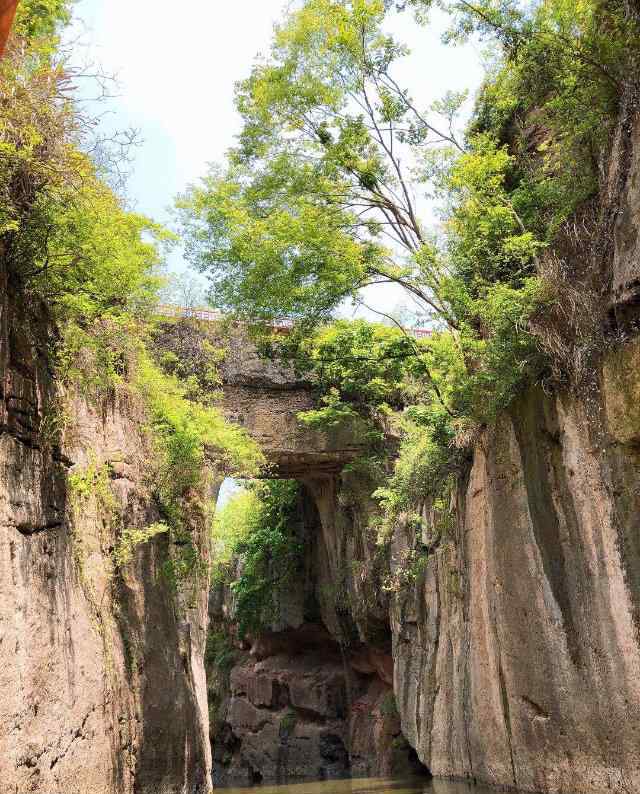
(258, 554)
(190, 439)
(388, 706)
(219, 652)
(68, 242)
(131, 538)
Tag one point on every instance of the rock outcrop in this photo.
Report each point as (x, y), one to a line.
(307, 714)
(262, 396)
(513, 650)
(515, 654)
(101, 673)
(517, 649)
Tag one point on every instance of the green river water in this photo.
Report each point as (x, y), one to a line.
(371, 786)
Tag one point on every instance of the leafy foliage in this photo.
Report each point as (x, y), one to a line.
(190, 431)
(74, 252)
(232, 525)
(67, 239)
(316, 203)
(315, 192)
(131, 538)
(257, 551)
(40, 19)
(189, 437)
(219, 652)
(188, 350)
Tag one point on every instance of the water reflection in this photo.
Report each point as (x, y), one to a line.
(371, 786)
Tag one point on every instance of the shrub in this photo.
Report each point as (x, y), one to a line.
(131, 538)
(388, 706)
(259, 555)
(190, 438)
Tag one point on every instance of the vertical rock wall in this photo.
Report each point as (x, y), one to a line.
(101, 673)
(517, 656)
(517, 651)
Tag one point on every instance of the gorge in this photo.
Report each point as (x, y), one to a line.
(433, 571)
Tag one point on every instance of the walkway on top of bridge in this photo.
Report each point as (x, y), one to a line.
(212, 315)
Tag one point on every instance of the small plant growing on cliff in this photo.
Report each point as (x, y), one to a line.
(388, 706)
(131, 538)
(187, 349)
(87, 486)
(219, 652)
(288, 724)
(189, 437)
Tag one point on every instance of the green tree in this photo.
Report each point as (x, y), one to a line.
(41, 19)
(317, 201)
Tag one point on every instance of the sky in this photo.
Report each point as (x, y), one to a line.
(176, 68)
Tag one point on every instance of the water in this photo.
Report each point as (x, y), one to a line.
(371, 786)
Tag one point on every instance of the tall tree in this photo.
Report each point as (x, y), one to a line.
(319, 196)
(318, 200)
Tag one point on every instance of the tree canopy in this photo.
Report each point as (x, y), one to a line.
(320, 196)
(316, 201)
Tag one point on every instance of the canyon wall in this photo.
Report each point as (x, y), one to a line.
(511, 639)
(101, 671)
(517, 648)
(503, 647)
(517, 656)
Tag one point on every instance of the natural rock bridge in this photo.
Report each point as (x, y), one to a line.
(264, 397)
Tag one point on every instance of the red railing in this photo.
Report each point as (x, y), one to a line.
(209, 315)
(213, 316)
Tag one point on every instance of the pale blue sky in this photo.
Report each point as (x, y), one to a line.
(177, 72)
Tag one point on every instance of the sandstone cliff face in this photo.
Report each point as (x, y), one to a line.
(517, 657)
(517, 651)
(101, 673)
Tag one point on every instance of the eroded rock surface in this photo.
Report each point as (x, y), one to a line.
(102, 680)
(517, 656)
(263, 396)
(306, 713)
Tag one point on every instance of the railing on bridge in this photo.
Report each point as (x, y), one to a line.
(213, 316)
